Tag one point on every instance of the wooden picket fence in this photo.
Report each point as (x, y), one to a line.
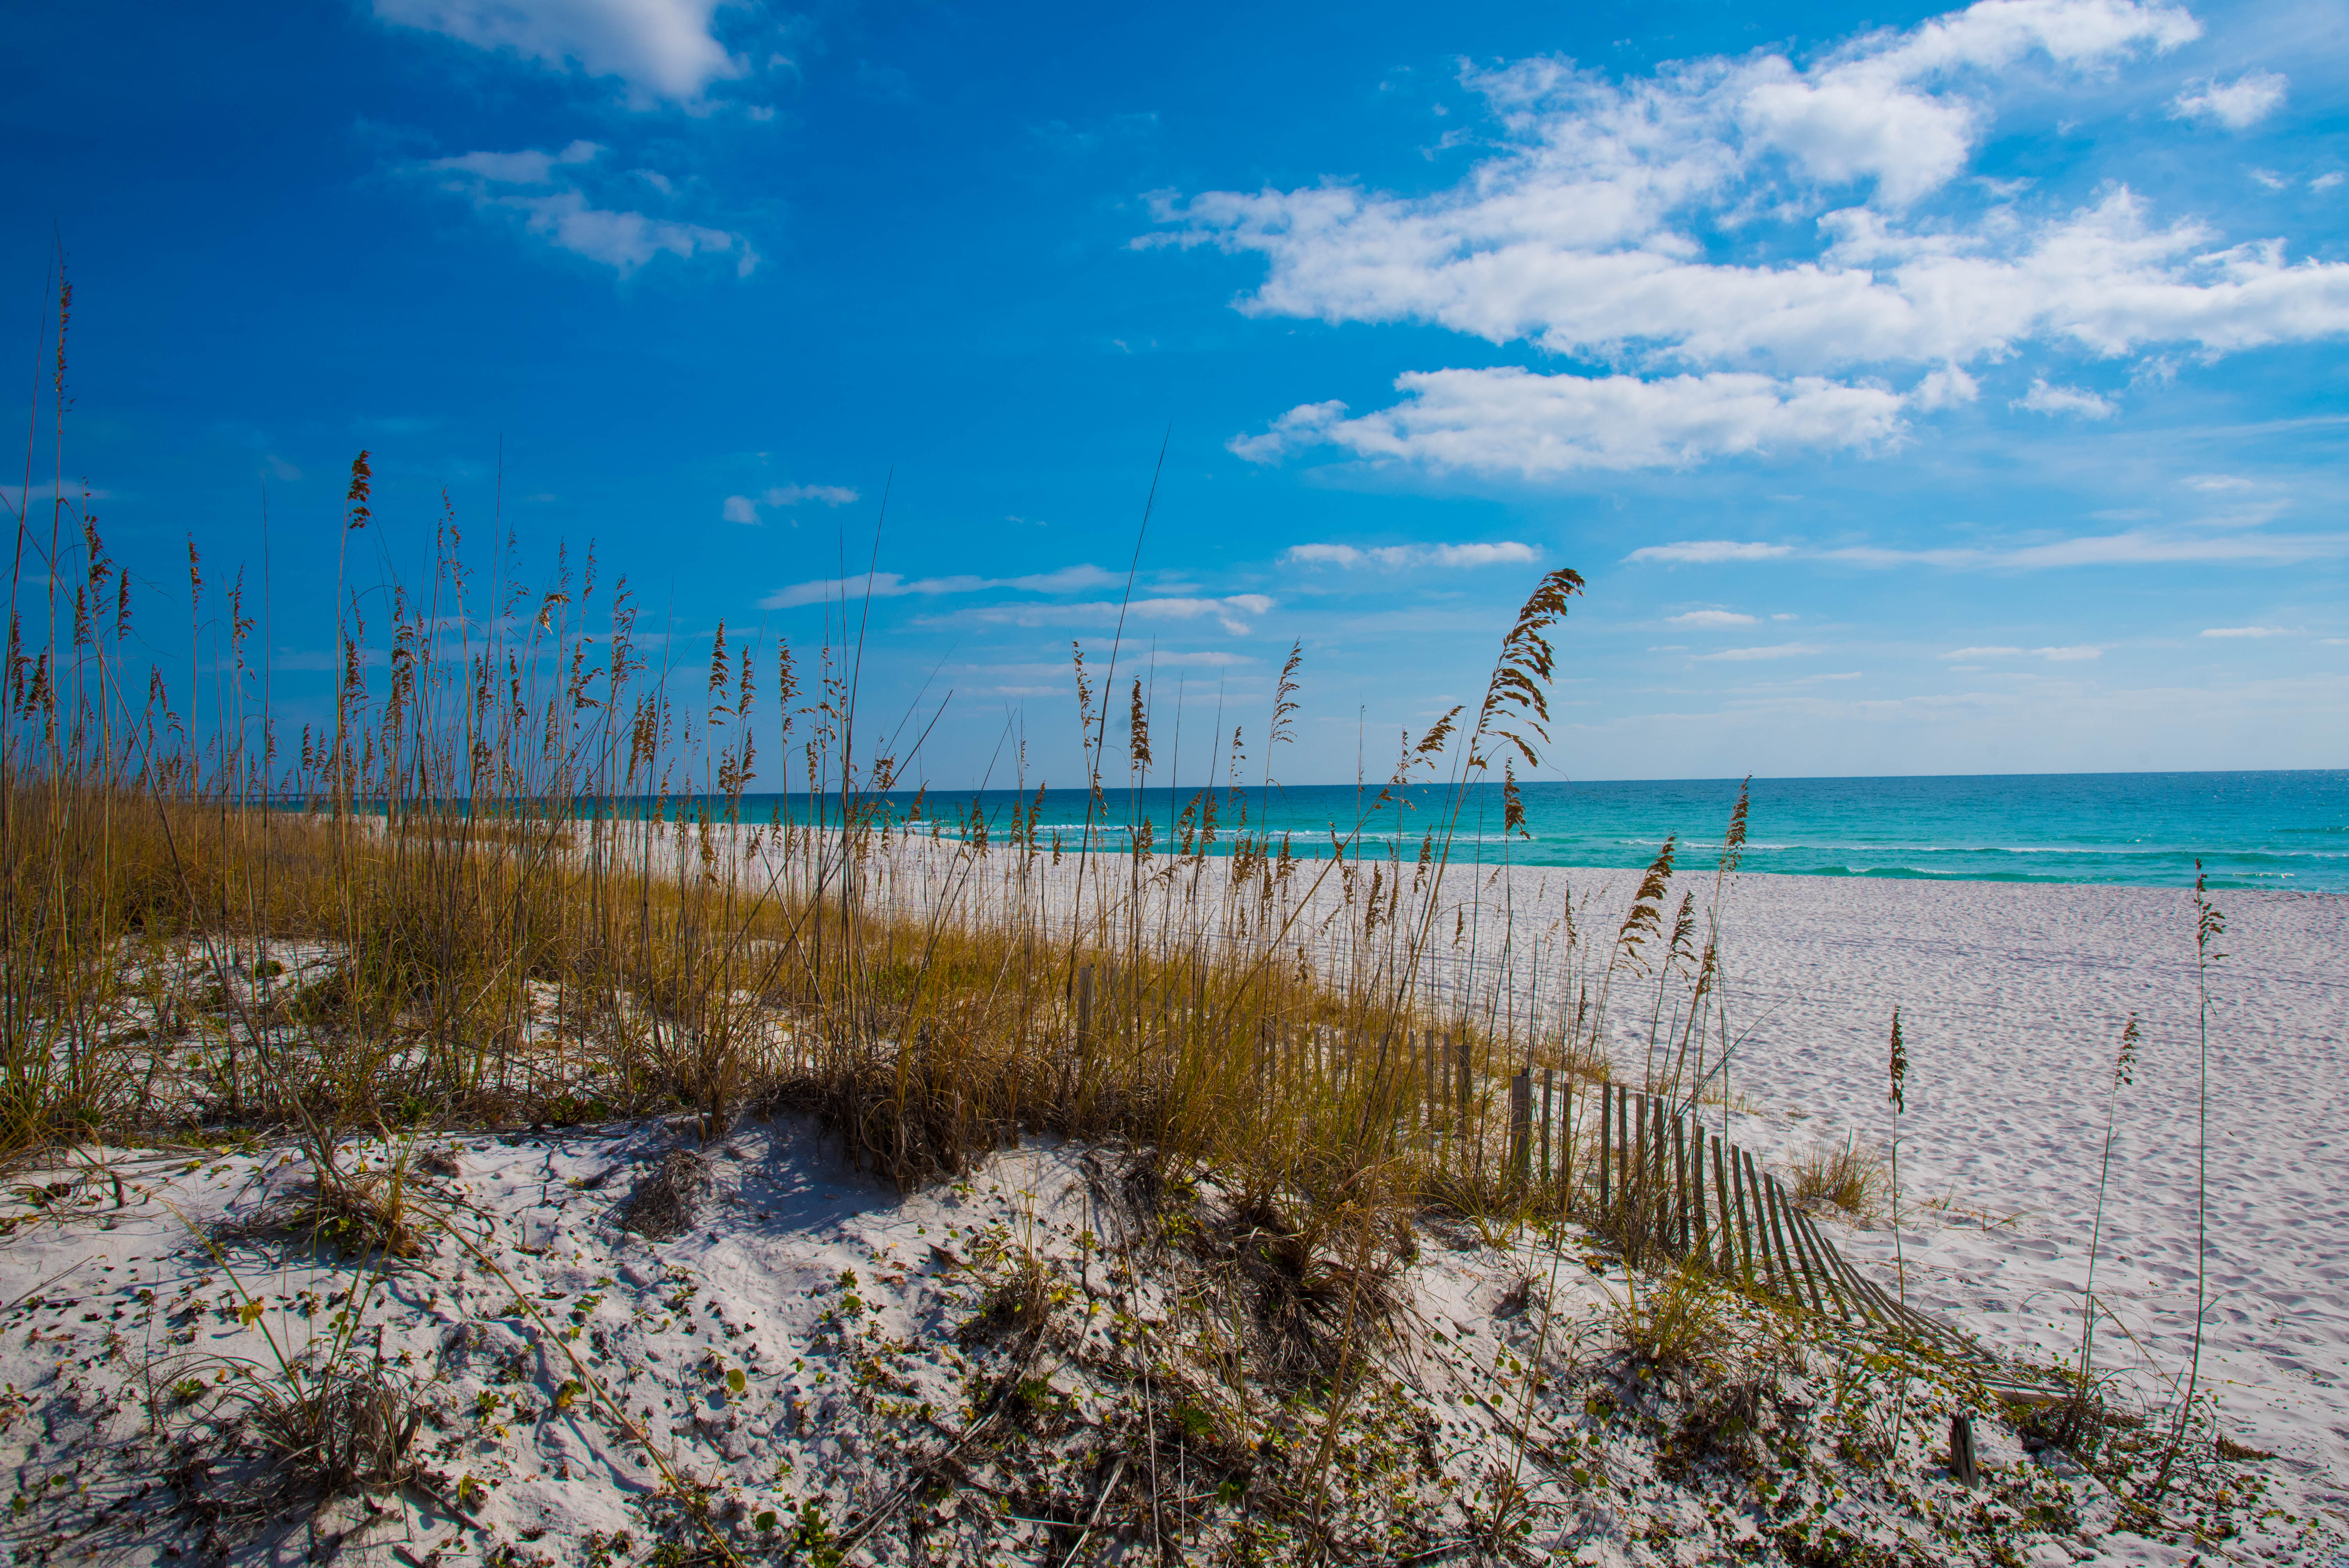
(1638, 1168)
(1658, 1182)
(1644, 1170)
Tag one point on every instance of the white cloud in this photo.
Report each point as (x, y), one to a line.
(792, 495)
(891, 585)
(2247, 632)
(1301, 424)
(1984, 653)
(2327, 182)
(745, 508)
(1205, 660)
(2069, 656)
(1710, 618)
(524, 167)
(1396, 557)
(2217, 483)
(1709, 551)
(538, 188)
(1597, 228)
(1513, 420)
(1944, 388)
(2237, 105)
(2043, 398)
(1775, 651)
(2137, 547)
(1231, 612)
(663, 49)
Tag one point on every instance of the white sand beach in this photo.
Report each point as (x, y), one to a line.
(2013, 1000)
(807, 1280)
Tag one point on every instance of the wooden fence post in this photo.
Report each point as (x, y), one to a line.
(1546, 1168)
(1521, 1127)
(1680, 1184)
(1565, 1154)
(1728, 1249)
(1701, 1236)
(1606, 1104)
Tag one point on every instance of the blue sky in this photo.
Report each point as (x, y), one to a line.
(1920, 391)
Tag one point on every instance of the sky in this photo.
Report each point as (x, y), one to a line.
(1918, 390)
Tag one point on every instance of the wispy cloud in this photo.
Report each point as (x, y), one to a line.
(745, 508)
(2248, 632)
(1203, 659)
(2237, 105)
(1233, 612)
(1709, 551)
(1397, 557)
(1709, 618)
(2136, 548)
(2074, 654)
(663, 49)
(1775, 651)
(891, 585)
(542, 192)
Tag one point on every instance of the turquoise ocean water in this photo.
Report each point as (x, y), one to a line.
(2268, 830)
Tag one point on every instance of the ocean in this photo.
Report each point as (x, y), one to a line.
(2251, 830)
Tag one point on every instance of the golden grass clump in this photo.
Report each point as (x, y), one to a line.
(1850, 1176)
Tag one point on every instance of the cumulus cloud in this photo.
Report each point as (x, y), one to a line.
(663, 49)
(1710, 618)
(1606, 225)
(746, 509)
(542, 190)
(2044, 398)
(1396, 557)
(2237, 105)
(891, 585)
(1513, 420)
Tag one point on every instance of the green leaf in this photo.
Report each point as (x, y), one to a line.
(734, 1380)
(765, 1520)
